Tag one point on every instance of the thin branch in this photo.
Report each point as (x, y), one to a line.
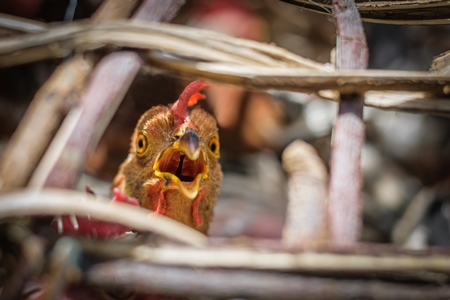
(405, 12)
(263, 65)
(14, 23)
(420, 102)
(295, 76)
(365, 261)
(85, 35)
(66, 202)
(384, 261)
(147, 278)
(304, 80)
(239, 257)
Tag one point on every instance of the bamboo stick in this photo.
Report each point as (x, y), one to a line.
(344, 198)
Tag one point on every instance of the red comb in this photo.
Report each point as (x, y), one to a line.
(188, 97)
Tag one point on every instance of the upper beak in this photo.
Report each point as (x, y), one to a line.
(189, 143)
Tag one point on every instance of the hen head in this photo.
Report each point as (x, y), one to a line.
(173, 166)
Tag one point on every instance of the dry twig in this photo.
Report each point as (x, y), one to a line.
(17, 24)
(65, 202)
(301, 79)
(262, 259)
(276, 68)
(403, 12)
(155, 279)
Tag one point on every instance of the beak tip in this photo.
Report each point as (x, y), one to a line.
(190, 143)
(194, 155)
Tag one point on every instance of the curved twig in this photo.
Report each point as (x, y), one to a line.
(66, 202)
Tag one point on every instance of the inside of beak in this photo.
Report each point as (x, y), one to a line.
(183, 165)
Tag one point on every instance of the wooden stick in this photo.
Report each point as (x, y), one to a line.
(365, 259)
(405, 12)
(383, 260)
(66, 202)
(261, 66)
(14, 23)
(344, 204)
(224, 284)
(305, 261)
(304, 80)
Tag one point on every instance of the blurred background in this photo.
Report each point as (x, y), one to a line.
(406, 157)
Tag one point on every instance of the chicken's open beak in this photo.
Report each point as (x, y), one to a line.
(183, 165)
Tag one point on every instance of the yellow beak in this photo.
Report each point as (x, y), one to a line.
(189, 143)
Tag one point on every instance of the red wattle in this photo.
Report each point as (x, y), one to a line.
(162, 204)
(198, 218)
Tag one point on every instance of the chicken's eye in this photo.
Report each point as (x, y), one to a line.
(141, 143)
(214, 146)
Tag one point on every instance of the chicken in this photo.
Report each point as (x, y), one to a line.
(172, 169)
(173, 165)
